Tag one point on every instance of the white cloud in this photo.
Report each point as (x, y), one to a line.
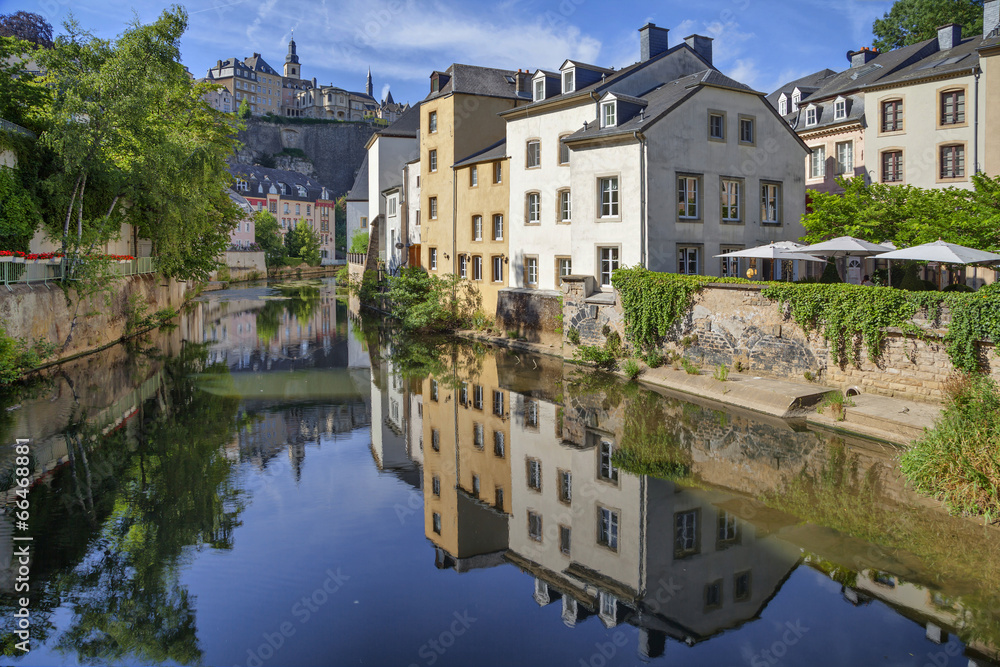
(385, 92)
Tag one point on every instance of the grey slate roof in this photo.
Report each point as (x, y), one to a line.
(256, 176)
(963, 57)
(497, 151)
(359, 191)
(407, 125)
(813, 80)
(258, 64)
(476, 80)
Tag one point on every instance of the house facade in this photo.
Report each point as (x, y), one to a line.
(389, 151)
(356, 203)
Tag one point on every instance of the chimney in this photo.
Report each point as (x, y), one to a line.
(218, 65)
(521, 82)
(652, 41)
(991, 16)
(701, 45)
(949, 36)
(862, 57)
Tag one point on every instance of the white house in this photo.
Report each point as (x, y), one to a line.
(356, 204)
(389, 150)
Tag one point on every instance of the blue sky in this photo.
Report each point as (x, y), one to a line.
(762, 43)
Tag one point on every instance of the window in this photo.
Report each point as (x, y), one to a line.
(531, 413)
(477, 228)
(796, 98)
(892, 167)
(437, 523)
(953, 107)
(432, 122)
(565, 486)
(364, 222)
(477, 436)
(497, 173)
(783, 106)
(433, 259)
(730, 265)
(606, 470)
(498, 403)
(953, 161)
(533, 204)
(717, 126)
(475, 486)
(433, 160)
(565, 538)
(534, 526)
(770, 203)
(747, 130)
(565, 206)
(436, 486)
(498, 443)
(607, 528)
(569, 83)
(563, 151)
(531, 270)
(435, 440)
(564, 266)
(608, 188)
(713, 594)
(286, 208)
(477, 397)
(433, 206)
(892, 116)
(728, 533)
(811, 115)
(534, 469)
(473, 177)
(731, 200)
(687, 261)
(477, 268)
(687, 197)
(534, 154)
(609, 264)
(817, 162)
(741, 586)
(390, 207)
(686, 539)
(498, 227)
(608, 114)
(498, 497)
(463, 266)
(434, 390)
(845, 157)
(840, 109)
(539, 90)
(497, 269)
(463, 394)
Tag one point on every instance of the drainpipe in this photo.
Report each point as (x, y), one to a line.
(977, 71)
(643, 217)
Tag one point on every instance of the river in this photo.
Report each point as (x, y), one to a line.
(273, 480)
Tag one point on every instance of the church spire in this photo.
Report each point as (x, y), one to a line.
(369, 88)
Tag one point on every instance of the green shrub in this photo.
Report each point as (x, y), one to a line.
(596, 355)
(958, 460)
(830, 275)
(573, 336)
(689, 367)
(632, 369)
(721, 373)
(654, 359)
(613, 343)
(359, 242)
(836, 402)
(911, 281)
(958, 287)
(18, 356)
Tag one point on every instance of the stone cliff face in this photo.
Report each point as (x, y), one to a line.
(334, 151)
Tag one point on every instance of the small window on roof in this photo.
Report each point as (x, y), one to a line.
(608, 114)
(539, 90)
(840, 109)
(569, 81)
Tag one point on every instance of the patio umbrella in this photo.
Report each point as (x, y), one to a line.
(845, 246)
(943, 252)
(772, 251)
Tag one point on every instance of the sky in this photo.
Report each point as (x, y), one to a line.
(762, 43)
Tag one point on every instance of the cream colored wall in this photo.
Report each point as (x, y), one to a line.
(990, 90)
(829, 141)
(485, 199)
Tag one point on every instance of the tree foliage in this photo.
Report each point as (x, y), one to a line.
(359, 242)
(19, 93)
(908, 215)
(19, 215)
(420, 301)
(268, 237)
(303, 242)
(28, 26)
(912, 21)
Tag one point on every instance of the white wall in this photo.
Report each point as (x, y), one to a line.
(413, 203)
(355, 211)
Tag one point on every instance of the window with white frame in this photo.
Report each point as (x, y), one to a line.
(608, 190)
(498, 227)
(533, 155)
(477, 396)
(433, 160)
(433, 206)
(563, 151)
(497, 173)
(953, 161)
(606, 470)
(687, 260)
(533, 208)
(477, 268)
(433, 259)
(811, 115)
(499, 444)
(477, 228)
(564, 267)
(539, 90)
(531, 413)
(473, 176)
(840, 109)
(608, 114)
(817, 162)
(730, 265)
(569, 81)
(732, 200)
(463, 266)
(477, 435)
(497, 269)
(390, 206)
(565, 206)
(432, 121)
(609, 263)
(796, 98)
(607, 528)
(531, 270)
(565, 486)
(783, 106)
(770, 203)
(687, 197)
(717, 126)
(534, 526)
(686, 538)
(845, 157)
(534, 470)
(747, 130)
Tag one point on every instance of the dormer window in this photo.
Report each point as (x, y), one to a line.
(539, 90)
(283, 188)
(569, 81)
(608, 114)
(811, 116)
(796, 98)
(783, 105)
(840, 109)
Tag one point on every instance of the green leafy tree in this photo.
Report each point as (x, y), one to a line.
(359, 242)
(20, 94)
(340, 225)
(268, 237)
(303, 242)
(243, 113)
(912, 21)
(19, 215)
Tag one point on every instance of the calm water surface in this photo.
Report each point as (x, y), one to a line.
(272, 483)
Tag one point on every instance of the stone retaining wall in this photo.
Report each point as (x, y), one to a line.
(735, 325)
(535, 315)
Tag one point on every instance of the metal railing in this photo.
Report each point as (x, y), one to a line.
(44, 271)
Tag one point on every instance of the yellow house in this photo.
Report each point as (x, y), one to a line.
(989, 60)
(482, 197)
(458, 119)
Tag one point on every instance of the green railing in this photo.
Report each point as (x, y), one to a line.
(34, 272)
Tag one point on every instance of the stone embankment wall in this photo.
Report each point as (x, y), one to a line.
(735, 323)
(336, 150)
(37, 312)
(536, 315)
